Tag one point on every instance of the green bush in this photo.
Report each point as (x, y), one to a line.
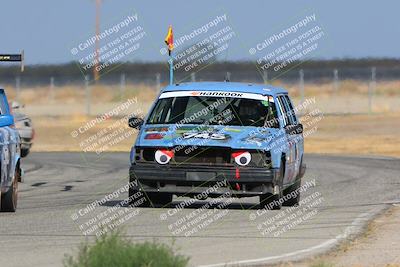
(112, 250)
(322, 264)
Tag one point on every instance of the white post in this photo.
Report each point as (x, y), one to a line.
(122, 87)
(301, 73)
(17, 88)
(158, 82)
(52, 89)
(88, 95)
(265, 76)
(228, 76)
(193, 76)
(371, 88)
(335, 80)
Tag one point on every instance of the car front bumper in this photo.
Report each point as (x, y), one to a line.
(194, 179)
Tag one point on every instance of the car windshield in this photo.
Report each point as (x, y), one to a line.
(214, 111)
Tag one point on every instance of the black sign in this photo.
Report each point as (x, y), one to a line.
(11, 57)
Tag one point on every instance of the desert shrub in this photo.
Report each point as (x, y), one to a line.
(112, 250)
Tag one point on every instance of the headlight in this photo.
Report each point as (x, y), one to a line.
(163, 156)
(242, 158)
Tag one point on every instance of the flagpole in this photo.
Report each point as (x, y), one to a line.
(171, 69)
(169, 41)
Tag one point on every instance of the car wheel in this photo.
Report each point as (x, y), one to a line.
(9, 199)
(293, 189)
(272, 201)
(24, 152)
(294, 201)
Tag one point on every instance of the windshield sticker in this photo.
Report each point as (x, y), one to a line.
(265, 103)
(214, 94)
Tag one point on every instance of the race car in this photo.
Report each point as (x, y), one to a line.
(10, 157)
(219, 138)
(25, 128)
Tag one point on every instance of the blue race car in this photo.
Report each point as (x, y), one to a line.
(218, 138)
(10, 157)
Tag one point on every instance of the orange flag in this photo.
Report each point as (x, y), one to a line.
(169, 40)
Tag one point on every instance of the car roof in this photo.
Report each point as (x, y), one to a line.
(263, 89)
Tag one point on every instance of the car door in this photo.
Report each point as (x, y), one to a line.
(297, 138)
(291, 149)
(8, 143)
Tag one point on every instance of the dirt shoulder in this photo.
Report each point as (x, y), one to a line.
(378, 246)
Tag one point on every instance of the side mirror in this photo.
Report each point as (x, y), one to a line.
(6, 120)
(135, 122)
(294, 129)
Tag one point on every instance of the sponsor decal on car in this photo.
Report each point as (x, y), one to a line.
(217, 94)
(205, 135)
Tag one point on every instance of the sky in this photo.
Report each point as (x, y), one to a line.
(48, 29)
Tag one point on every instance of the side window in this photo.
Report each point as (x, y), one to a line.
(284, 110)
(3, 107)
(160, 111)
(289, 113)
(292, 113)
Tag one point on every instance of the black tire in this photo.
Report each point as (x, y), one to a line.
(271, 201)
(10, 198)
(292, 189)
(24, 152)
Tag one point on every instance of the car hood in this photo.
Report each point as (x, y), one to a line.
(237, 137)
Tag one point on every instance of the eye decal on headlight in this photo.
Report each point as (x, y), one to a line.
(163, 156)
(242, 158)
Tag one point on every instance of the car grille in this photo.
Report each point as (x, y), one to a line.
(202, 155)
(206, 155)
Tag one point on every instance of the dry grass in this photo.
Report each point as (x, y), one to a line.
(76, 94)
(357, 134)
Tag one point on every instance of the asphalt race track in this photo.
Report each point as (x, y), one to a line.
(349, 191)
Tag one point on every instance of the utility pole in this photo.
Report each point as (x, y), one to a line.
(97, 45)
